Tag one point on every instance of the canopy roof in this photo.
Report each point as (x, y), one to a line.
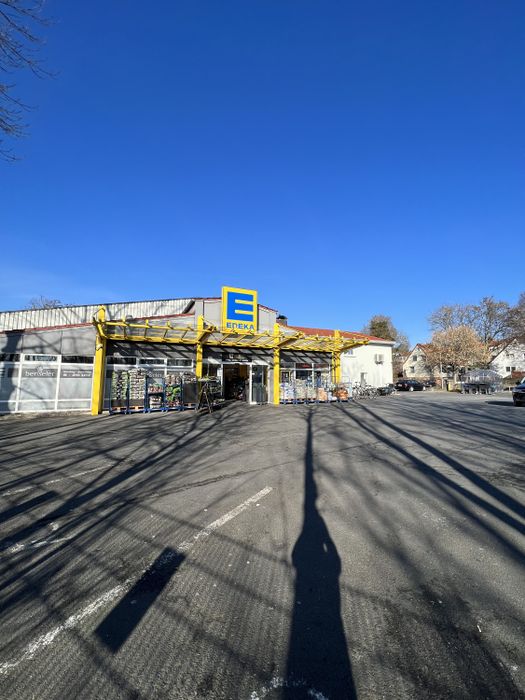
(284, 337)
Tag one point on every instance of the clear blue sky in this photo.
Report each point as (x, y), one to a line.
(343, 158)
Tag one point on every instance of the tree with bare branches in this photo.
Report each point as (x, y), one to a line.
(42, 302)
(19, 44)
(489, 318)
(517, 318)
(457, 349)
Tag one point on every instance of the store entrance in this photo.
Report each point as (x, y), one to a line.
(236, 380)
(244, 382)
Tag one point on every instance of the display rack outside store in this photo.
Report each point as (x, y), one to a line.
(304, 391)
(137, 391)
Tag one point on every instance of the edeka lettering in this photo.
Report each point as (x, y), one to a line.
(239, 309)
(240, 326)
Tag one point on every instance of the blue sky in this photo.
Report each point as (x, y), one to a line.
(343, 158)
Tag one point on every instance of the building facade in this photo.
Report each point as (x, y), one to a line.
(70, 364)
(509, 358)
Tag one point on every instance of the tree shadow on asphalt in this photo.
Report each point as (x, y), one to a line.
(318, 659)
(497, 494)
(433, 638)
(106, 500)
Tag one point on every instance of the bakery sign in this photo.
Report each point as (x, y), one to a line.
(239, 309)
(40, 372)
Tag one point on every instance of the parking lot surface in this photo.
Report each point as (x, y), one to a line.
(371, 550)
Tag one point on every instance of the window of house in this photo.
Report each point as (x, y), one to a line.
(412, 370)
(415, 358)
(507, 369)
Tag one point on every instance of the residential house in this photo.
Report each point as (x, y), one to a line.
(416, 366)
(509, 358)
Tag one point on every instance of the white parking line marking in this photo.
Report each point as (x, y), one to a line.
(46, 639)
(53, 481)
(35, 544)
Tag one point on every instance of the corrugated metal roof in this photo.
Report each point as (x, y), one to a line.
(72, 315)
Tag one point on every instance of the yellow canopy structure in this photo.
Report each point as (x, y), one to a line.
(207, 334)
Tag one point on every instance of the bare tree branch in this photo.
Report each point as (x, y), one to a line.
(19, 45)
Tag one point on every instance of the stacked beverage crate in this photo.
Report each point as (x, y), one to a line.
(137, 387)
(300, 389)
(155, 395)
(286, 393)
(119, 388)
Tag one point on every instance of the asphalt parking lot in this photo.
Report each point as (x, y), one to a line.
(371, 550)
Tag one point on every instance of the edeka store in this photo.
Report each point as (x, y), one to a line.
(80, 358)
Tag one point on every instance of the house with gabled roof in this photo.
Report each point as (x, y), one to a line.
(416, 365)
(508, 358)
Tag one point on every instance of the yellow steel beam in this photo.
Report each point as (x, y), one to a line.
(99, 367)
(198, 349)
(153, 339)
(336, 358)
(137, 332)
(276, 366)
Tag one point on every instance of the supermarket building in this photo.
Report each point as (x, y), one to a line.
(62, 359)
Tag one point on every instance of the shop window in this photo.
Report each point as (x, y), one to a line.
(114, 360)
(177, 362)
(152, 361)
(40, 358)
(209, 370)
(303, 374)
(9, 357)
(81, 359)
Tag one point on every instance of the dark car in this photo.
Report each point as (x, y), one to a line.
(409, 385)
(386, 390)
(518, 394)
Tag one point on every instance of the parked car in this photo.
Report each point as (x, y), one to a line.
(518, 394)
(429, 383)
(409, 385)
(386, 390)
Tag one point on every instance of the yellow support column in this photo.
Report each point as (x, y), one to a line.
(336, 358)
(99, 368)
(198, 358)
(276, 366)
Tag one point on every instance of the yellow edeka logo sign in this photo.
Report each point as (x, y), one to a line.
(239, 309)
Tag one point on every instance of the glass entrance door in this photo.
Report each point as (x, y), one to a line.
(259, 384)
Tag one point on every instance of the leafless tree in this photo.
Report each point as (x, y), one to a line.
(457, 349)
(516, 317)
(42, 302)
(450, 316)
(489, 318)
(19, 44)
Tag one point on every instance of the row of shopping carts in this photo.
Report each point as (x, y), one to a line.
(303, 391)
